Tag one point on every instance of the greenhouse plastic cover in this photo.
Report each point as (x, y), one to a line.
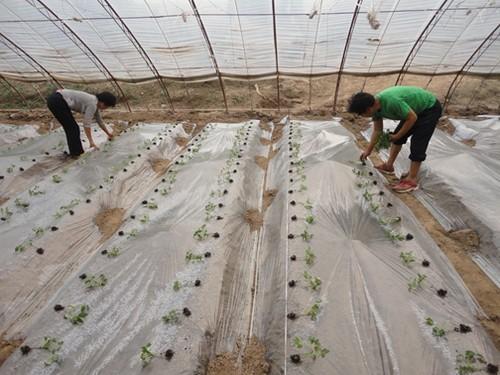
(85, 41)
(369, 320)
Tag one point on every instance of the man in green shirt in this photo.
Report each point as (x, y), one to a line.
(417, 110)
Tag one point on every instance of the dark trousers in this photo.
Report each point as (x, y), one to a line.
(59, 108)
(421, 132)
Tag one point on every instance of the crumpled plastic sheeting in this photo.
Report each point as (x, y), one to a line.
(26, 271)
(126, 313)
(368, 319)
(10, 134)
(459, 184)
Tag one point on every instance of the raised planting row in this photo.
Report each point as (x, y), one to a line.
(302, 219)
(206, 245)
(72, 235)
(55, 185)
(106, 278)
(382, 210)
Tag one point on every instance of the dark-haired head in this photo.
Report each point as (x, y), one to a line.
(106, 99)
(362, 103)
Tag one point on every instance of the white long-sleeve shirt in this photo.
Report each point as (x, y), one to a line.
(84, 103)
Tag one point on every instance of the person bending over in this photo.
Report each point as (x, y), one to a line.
(63, 101)
(417, 110)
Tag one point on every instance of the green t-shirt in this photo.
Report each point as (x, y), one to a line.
(397, 101)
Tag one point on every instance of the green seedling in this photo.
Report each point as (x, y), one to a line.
(172, 317)
(164, 191)
(469, 362)
(313, 282)
(317, 351)
(177, 285)
(146, 355)
(314, 310)
(20, 248)
(383, 141)
(310, 219)
(52, 345)
(308, 205)
(302, 188)
(209, 210)
(306, 236)
(96, 281)
(113, 252)
(429, 321)
(389, 220)
(298, 342)
(374, 207)
(152, 204)
(201, 233)
(438, 331)
(193, 258)
(6, 213)
(63, 210)
(367, 195)
(39, 231)
(21, 204)
(359, 172)
(56, 179)
(11, 168)
(416, 282)
(144, 219)
(309, 257)
(76, 314)
(394, 235)
(133, 233)
(35, 190)
(407, 258)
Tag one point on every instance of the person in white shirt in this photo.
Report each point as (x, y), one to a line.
(63, 101)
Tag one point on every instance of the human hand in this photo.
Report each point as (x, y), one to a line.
(393, 137)
(364, 155)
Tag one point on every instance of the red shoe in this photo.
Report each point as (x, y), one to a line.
(405, 186)
(385, 169)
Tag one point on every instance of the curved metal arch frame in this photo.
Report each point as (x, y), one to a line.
(313, 54)
(478, 52)
(70, 33)
(210, 51)
(344, 54)
(13, 89)
(276, 57)
(30, 60)
(131, 37)
(420, 41)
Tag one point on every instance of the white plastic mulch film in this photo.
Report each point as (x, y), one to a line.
(189, 270)
(84, 40)
(459, 183)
